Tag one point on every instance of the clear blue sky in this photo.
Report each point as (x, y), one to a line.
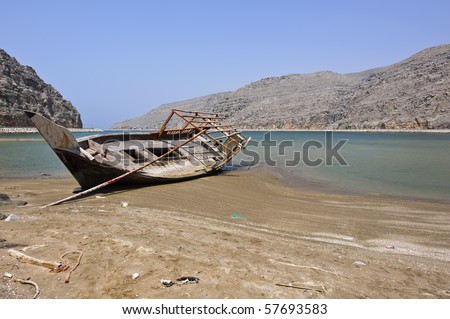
(115, 60)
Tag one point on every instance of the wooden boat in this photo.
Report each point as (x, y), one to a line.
(188, 144)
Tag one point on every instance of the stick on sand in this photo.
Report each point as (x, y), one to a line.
(29, 282)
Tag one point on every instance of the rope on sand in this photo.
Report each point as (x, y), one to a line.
(80, 253)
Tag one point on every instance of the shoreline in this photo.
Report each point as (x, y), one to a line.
(241, 233)
(303, 183)
(306, 183)
(27, 130)
(24, 130)
(433, 131)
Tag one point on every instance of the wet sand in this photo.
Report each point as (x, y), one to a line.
(243, 234)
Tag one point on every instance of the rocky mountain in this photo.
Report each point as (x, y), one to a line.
(412, 94)
(22, 89)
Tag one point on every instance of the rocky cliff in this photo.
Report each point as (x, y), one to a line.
(413, 94)
(22, 89)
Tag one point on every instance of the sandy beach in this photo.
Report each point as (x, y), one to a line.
(244, 234)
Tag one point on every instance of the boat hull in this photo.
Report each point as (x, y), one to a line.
(90, 173)
(199, 147)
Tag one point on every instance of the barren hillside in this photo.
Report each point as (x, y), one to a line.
(414, 93)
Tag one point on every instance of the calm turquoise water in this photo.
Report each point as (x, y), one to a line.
(32, 158)
(398, 164)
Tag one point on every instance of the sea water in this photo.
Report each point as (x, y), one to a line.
(27, 155)
(384, 163)
(399, 164)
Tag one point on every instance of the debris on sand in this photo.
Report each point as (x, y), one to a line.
(181, 281)
(55, 267)
(135, 275)
(34, 261)
(359, 264)
(188, 280)
(302, 287)
(12, 218)
(8, 275)
(167, 282)
(6, 200)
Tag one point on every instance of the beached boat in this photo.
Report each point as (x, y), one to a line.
(188, 144)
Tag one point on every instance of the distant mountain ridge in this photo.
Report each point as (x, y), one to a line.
(22, 89)
(411, 94)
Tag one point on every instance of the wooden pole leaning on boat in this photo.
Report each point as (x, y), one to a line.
(115, 179)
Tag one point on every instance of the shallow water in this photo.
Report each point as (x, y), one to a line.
(399, 164)
(27, 155)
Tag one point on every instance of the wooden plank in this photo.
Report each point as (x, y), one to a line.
(55, 135)
(86, 154)
(163, 127)
(96, 147)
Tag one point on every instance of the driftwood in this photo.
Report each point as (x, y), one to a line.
(53, 266)
(306, 267)
(298, 287)
(34, 261)
(29, 282)
(23, 281)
